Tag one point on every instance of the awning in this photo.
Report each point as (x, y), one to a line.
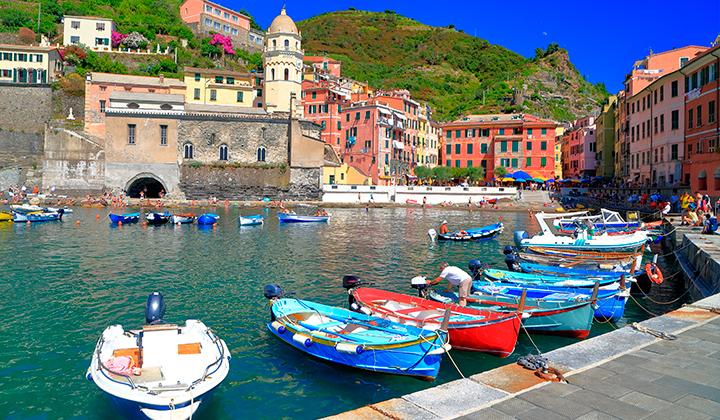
(398, 145)
(384, 111)
(400, 116)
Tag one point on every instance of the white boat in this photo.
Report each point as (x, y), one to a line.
(183, 218)
(256, 219)
(159, 371)
(582, 239)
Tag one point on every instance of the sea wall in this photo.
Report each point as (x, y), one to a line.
(74, 165)
(699, 256)
(25, 107)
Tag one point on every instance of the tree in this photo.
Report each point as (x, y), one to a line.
(500, 171)
(442, 173)
(423, 172)
(475, 173)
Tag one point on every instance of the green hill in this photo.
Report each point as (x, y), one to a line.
(456, 73)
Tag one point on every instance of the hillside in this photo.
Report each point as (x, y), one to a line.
(456, 73)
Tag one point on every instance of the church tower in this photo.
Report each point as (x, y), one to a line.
(283, 62)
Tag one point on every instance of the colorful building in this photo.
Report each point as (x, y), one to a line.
(622, 154)
(28, 64)
(512, 141)
(283, 63)
(403, 159)
(559, 132)
(701, 167)
(323, 105)
(219, 87)
(655, 66)
(99, 87)
(325, 65)
(204, 16)
(605, 140)
(92, 32)
(579, 149)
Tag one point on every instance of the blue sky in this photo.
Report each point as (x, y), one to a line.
(603, 38)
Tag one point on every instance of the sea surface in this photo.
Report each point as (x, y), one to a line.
(62, 284)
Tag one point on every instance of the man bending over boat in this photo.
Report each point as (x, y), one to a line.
(444, 230)
(455, 276)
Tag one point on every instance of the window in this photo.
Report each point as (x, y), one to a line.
(543, 131)
(339, 109)
(655, 97)
(633, 107)
(339, 126)
(74, 39)
(514, 163)
(469, 149)
(216, 25)
(517, 131)
(529, 132)
(528, 146)
(208, 22)
(240, 96)
(448, 149)
(543, 145)
(322, 128)
(261, 154)
(457, 163)
(662, 93)
(515, 146)
(699, 115)
(674, 152)
(662, 123)
(543, 161)
(690, 118)
(674, 89)
(218, 79)
(643, 103)
(131, 133)
(235, 19)
(163, 135)
(208, 8)
(457, 149)
(102, 107)
(223, 152)
(218, 12)
(469, 163)
(367, 115)
(100, 26)
(656, 123)
(287, 74)
(503, 146)
(457, 134)
(259, 92)
(287, 43)
(675, 120)
(272, 74)
(357, 116)
(449, 134)
(483, 148)
(230, 80)
(234, 31)
(501, 131)
(213, 94)
(226, 15)
(528, 161)
(196, 93)
(75, 24)
(711, 112)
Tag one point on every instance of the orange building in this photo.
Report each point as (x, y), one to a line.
(323, 105)
(204, 16)
(325, 64)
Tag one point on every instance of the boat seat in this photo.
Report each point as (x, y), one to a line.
(405, 311)
(391, 305)
(133, 353)
(189, 348)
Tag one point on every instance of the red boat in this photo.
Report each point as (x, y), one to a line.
(470, 328)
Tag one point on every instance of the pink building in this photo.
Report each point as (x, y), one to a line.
(99, 86)
(578, 150)
(325, 64)
(323, 105)
(204, 16)
(656, 66)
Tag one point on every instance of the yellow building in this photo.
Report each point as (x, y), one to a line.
(283, 63)
(218, 87)
(344, 174)
(559, 131)
(28, 64)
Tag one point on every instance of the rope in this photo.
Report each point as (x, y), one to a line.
(528, 335)
(453, 360)
(672, 252)
(659, 334)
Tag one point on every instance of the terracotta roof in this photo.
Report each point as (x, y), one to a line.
(126, 79)
(146, 96)
(26, 47)
(217, 72)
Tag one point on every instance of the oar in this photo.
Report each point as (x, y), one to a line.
(446, 320)
(622, 282)
(521, 306)
(595, 291)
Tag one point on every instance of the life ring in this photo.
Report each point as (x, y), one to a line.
(654, 273)
(409, 201)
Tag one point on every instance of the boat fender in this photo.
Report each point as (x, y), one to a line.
(445, 348)
(360, 309)
(88, 375)
(348, 348)
(280, 328)
(432, 234)
(302, 340)
(154, 308)
(654, 273)
(508, 250)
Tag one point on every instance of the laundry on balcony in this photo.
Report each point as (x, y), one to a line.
(398, 145)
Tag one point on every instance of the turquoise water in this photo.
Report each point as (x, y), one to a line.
(62, 284)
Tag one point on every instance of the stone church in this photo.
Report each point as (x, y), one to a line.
(158, 140)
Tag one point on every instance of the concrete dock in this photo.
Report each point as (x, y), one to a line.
(624, 374)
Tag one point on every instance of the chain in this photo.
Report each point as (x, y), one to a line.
(656, 333)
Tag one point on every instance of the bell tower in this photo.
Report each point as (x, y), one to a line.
(283, 62)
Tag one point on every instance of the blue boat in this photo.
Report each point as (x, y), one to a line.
(157, 218)
(550, 270)
(45, 216)
(547, 316)
(124, 218)
(477, 234)
(208, 219)
(256, 219)
(610, 303)
(534, 279)
(355, 339)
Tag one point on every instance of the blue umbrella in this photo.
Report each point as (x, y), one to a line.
(550, 180)
(537, 180)
(520, 175)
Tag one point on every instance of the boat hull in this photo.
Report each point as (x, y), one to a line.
(125, 218)
(142, 411)
(208, 219)
(158, 218)
(536, 279)
(250, 220)
(478, 234)
(298, 218)
(182, 218)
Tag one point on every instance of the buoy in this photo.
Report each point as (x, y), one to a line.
(511, 204)
(119, 223)
(77, 222)
(214, 225)
(178, 224)
(28, 223)
(97, 217)
(144, 225)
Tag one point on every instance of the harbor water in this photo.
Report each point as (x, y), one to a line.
(62, 284)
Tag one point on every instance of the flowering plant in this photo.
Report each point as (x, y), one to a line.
(223, 41)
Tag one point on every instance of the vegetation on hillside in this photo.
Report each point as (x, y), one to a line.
(456, 73)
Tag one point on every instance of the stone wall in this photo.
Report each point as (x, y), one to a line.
(249, 183)
(25, 107)
(63, 102)
(242, 137)
(18, 148)
(73, 164)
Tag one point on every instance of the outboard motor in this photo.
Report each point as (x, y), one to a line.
(154, 308)
(273, 291)
(350, 283)
(518, 236)
(476, 268)
(510, 261)
(60, 212)
(508, 250)
(420, 283)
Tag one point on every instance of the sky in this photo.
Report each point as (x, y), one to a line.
(603, 38)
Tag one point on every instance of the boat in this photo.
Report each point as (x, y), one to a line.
(183, 218)
(607, 219)
(553, 317)
(45, 216)
(6, 217)
(161, 370)
(583, 239)
(623, 264)
(610, 303)
(477, 234)
(256, 219)
(154, 218)
(307, 213)
(355, 339)
(470, 329)
(585, 254)
(534, 279)
(124, 218)
(208, 219)
(549, 270)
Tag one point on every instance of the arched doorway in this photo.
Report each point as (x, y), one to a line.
(147, 183)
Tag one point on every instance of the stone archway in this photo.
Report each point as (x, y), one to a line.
(145, 182)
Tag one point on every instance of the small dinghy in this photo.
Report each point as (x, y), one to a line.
(45, 216)
(356, 339)
(183, 218)
(306, 213)
(470, 329)
(477, 234)
(533, 279)
(6, 217)
(124, 218)
(157, 218)
(159, 371)
(256, 219)
(549, 270)
(208, 219)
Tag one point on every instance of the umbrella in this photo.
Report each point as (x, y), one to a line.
(508, 179)
(538, 180)
(520, 175)
(550, 180)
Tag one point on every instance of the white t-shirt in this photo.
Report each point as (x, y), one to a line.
(454, 275)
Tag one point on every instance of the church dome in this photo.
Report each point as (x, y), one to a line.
(282, 24)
